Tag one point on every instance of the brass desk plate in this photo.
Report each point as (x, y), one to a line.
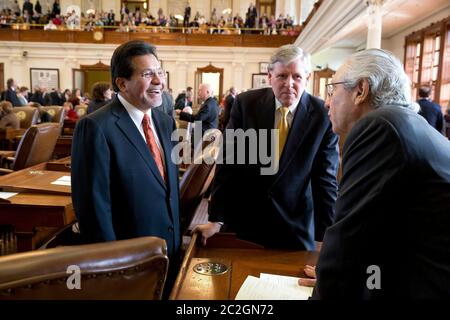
(210, 268)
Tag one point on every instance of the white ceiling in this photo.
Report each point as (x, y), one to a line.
(330, 28)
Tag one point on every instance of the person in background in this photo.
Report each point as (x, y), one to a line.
(390, 238)
(229, 100)
(22, 95)
(10, 94)
(69, 112)
(44, 116)
(184, 99)
(101, 95)
(429, 110)
(7, 116)
(209, 111)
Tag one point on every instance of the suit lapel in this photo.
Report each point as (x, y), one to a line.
(128, 128)
(300, 125)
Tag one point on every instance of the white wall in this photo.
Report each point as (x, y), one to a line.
(239, 63)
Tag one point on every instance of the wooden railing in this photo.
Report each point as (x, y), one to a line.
(156, 38)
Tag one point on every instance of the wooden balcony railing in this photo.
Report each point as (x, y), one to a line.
(154, 36)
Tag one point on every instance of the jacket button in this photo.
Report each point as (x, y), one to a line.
(170, 229)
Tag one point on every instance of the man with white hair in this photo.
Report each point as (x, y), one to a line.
(209, 111)
(390, 238)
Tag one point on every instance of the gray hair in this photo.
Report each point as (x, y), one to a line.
(389, 84)
(288, 53)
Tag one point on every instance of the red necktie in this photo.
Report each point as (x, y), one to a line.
(151, 143)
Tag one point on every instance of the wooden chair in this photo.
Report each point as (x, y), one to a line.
(195, 183)
(117, 270)
(28, 116)
(35, 146)
(56, 112)
(81, 110)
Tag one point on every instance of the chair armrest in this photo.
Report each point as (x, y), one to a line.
(4, 171)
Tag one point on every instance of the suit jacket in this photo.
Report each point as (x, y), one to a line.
(208, 115)
(117, 190)
(432, 112)
(11, 96)
(393, 212)
(57, 98)
(292, 208)
(229, 100)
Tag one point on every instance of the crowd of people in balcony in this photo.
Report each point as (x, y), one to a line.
(145, 21)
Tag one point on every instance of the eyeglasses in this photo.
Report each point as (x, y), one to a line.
(330, 87)
(150, 73)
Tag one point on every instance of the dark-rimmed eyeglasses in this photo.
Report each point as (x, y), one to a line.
(150, 73)
(330, 87)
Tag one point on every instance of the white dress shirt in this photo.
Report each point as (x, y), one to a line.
(137, 115)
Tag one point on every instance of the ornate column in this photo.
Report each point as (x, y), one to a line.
(238, 75)
(374, 23)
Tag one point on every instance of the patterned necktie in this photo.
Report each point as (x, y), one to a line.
(283, 129)
(151, 143)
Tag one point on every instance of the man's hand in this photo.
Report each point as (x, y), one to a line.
(178, 111)
(207, 230)
(310, 271)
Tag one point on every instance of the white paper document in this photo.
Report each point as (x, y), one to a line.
(62, 181)
(6, 195)
(273, 287)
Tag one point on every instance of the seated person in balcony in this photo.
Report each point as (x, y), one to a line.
(7, 117)
(101, 95)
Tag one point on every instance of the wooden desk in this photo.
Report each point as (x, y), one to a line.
(29, 212)
(69, 126)
(62, 164)
(34, 179)
(243, 259)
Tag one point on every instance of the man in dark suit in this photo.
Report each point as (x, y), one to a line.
(57, 97)
(209, 111)
(429, 110)
(390, 239)
(187, 15)
(184, 99)
(124, 183)
(10, 94)
(229, 100)
(292, 207)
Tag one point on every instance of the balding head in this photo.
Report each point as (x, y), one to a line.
(205, 91)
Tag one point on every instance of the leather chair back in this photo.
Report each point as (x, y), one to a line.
(36, 145)
(116, 270)
(81, 110)
(28, 116)
(56, 112)
(194, 184)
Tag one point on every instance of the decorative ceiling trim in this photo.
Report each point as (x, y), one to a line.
(330, 18)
